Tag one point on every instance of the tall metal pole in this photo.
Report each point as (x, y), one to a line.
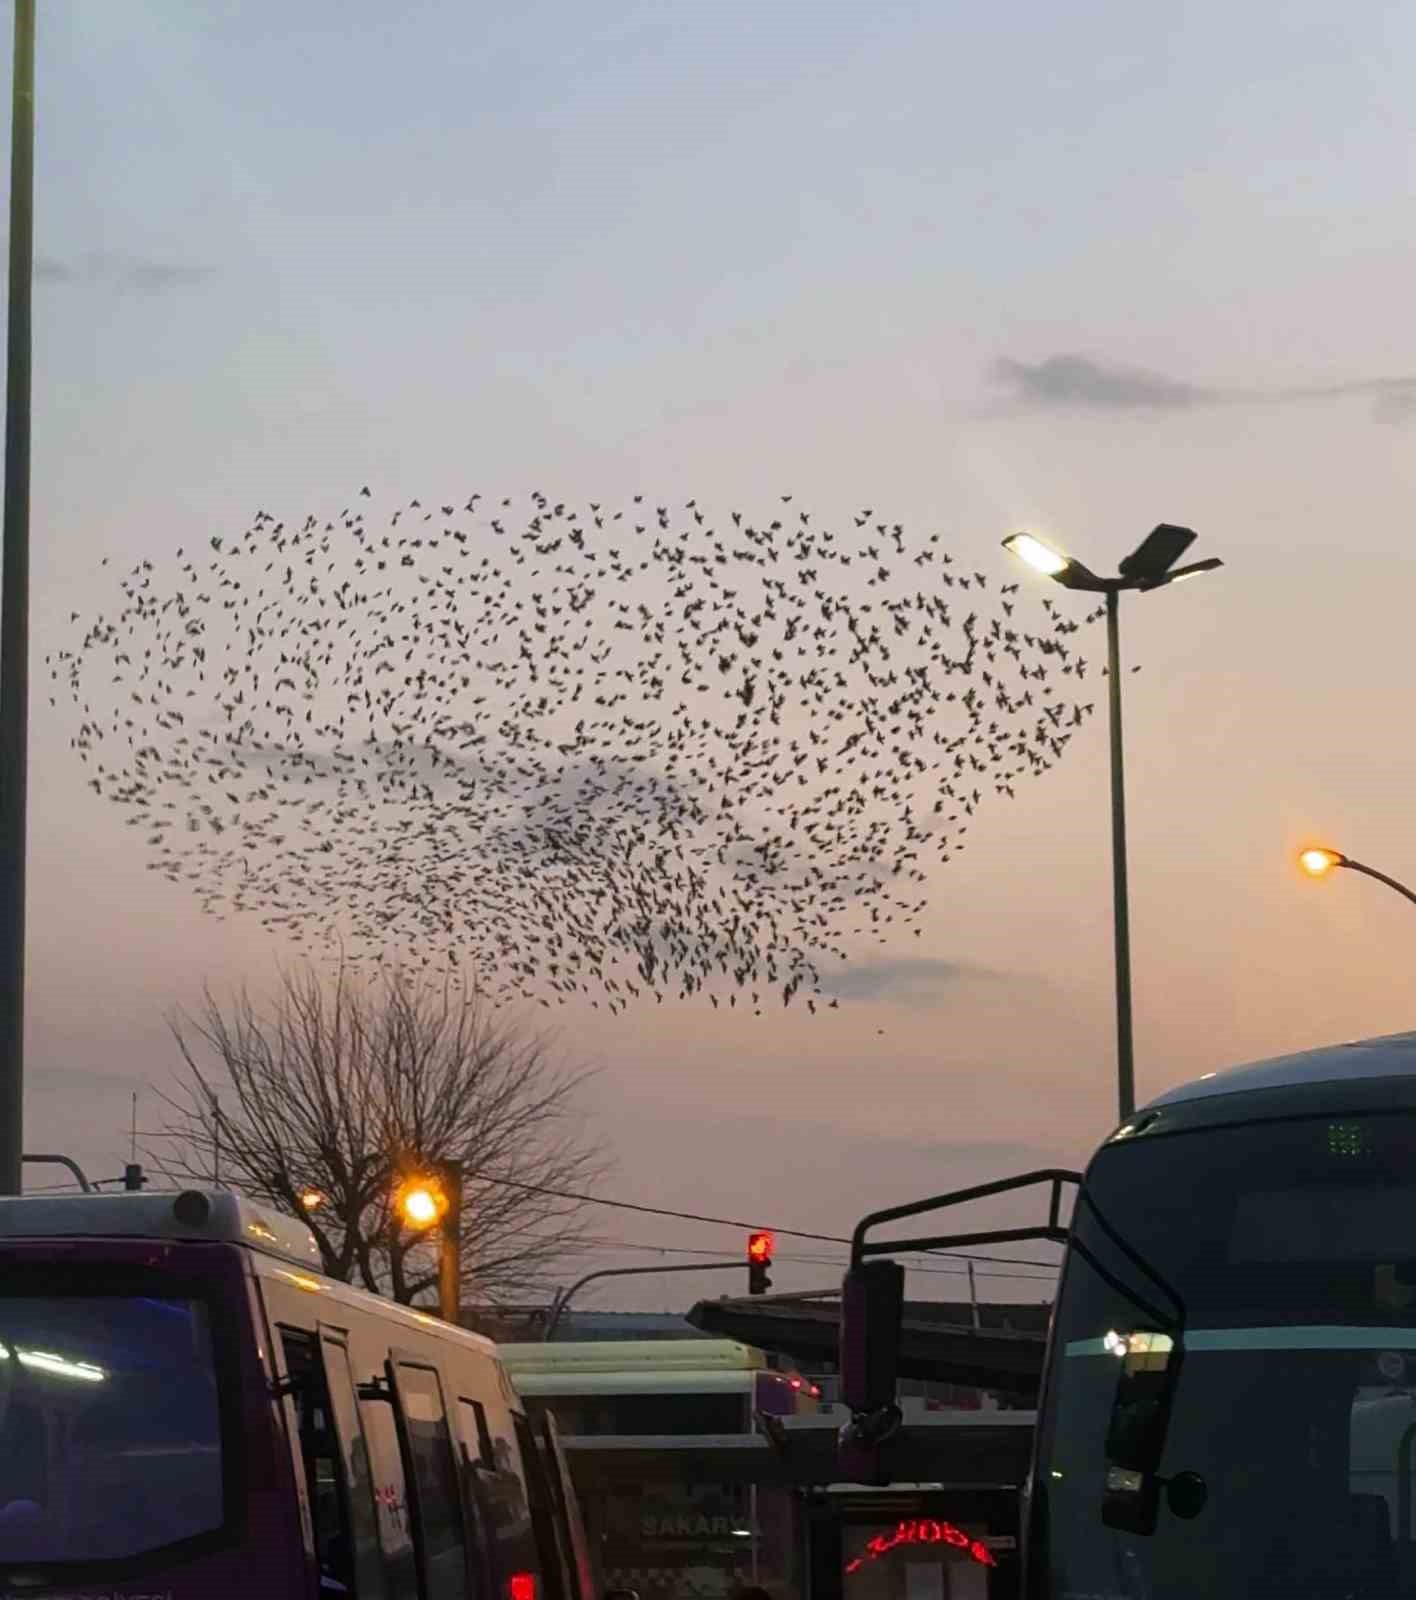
(450, 1246)
(1125, 1065)
(14, 611)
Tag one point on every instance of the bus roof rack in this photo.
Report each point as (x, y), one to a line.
(209, 1214)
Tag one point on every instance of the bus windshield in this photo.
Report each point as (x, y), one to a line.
(110, 1442)
(1292, 1246)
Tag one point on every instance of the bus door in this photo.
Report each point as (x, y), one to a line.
(365, 1558)
(571, 1526)
(332, 1460)
(430, 1469)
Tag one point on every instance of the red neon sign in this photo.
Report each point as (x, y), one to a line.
(924, 1530)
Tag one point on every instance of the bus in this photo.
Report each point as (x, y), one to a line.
(1228, 1396)
(1229, 1400)
(190, 1407)
(666, 1536)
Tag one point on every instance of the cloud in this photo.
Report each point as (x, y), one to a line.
(913, 981)
(111, 269)
(1070, 382)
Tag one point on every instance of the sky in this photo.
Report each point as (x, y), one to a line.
(1076, 270)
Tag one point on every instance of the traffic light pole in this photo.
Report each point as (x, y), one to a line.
(559, 1304)
(450, 1246)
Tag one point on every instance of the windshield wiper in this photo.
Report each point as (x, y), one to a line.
(1169, 1324)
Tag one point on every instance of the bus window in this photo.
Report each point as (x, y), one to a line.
(320, 1457)
(367, 1563)
(474, 1427)
(438, 1513)
(110, 1429)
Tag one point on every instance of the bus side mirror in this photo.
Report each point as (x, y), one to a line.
(1140, 1419)
(872, 1310)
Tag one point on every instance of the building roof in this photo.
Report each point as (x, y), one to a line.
(511, 1324)
(637, 1355)
(1390, 1056)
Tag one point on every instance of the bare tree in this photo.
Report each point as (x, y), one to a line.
(341, 1088)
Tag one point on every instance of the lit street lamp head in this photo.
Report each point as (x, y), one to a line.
(1151, 565)
(1041, 557)
(1317, 863)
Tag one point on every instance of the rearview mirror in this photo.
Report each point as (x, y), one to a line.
(1140, 1419)
(872, 1309)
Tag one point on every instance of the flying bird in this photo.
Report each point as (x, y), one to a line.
(581, 755)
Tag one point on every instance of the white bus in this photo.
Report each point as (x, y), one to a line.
(189, 1407)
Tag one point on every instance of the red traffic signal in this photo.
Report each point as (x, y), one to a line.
(759, 1258)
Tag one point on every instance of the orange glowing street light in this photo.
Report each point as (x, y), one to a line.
(434, 1199)
(421, 1204)
(1317, 861)
(311, 1199)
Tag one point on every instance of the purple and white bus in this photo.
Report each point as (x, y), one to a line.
(191, 1410)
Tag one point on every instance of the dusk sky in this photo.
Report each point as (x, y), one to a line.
(1073, 269)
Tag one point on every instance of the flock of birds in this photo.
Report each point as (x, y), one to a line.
(616, 753)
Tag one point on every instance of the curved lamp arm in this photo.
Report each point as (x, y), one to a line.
(1381, 877)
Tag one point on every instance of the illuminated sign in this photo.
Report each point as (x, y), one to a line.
(922, 1530)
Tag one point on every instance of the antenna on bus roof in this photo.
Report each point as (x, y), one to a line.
(133, 1139)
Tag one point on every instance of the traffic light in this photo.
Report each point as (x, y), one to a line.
(759, 1258)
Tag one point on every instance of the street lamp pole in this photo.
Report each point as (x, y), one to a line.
(1150, 566)
(14, 610)
(1121, 912)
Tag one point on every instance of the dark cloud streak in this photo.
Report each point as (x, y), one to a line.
(1070, 382)
(110, 269)
(916, 981)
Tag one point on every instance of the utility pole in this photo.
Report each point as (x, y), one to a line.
(14, 610)
(450, 1246)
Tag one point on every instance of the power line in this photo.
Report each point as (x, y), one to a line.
(728, 1222)
(695, 1216)
(1043, 1275)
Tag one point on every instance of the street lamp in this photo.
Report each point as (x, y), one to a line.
(430, 1199)
(1319, 861)
(1150, 566)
